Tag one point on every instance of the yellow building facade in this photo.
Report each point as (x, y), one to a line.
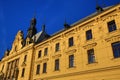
(86, 50)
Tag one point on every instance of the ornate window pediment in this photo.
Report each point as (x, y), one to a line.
(69, 33)
(56, 56)
(43, 60)
(87, 27)
(113, 38)
(89, 46)
(71, 51)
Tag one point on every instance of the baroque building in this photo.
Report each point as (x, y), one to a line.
(88, 49)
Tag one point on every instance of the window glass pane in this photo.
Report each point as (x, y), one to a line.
(57, 47)
(44, 67)
(116, 49)
(71, 43)
(25, 58)
(23, 72)
(56, 64)
(111, 26)
(39, 54)
(45, 51)
(88, 34)
(38, 69)
(91, 56)
(71, 61)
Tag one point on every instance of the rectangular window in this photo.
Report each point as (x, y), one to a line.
(116, 49)
(71, 42)
(38, 69)
(23, 72)
(71, 61)
(25, 58)
(45, 51)
(56, 64)
(57, 47)
(91, 56)
(44, 67)
(39, 54)
(111, 26)
(88, 34)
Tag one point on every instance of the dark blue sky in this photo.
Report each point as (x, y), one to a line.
(16, 15)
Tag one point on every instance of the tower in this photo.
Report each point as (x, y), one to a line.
(32, 29)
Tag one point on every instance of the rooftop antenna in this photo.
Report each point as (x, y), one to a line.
(65, 20)
(44, 20)
(96, 3)
(66, 25)
(43, 25)
(104, 5)
(34, 14)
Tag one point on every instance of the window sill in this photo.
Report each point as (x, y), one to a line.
(45, 56)
(56, 70)
(37, 74)
(71, 46)
(116, 59)
(44, 73)
(58, 51)
(71, 67)
(112, 31)
(90, 40)
(22, 76)
(92, 63)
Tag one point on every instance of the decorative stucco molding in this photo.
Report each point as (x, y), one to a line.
(89, 46)
(113, 39)
(56, 56)
(43, 60)
(71, 51)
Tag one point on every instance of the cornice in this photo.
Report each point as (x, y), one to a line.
(42, 44)
(88, 21)
(70, 32)
(57, 38)
(107, 17)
